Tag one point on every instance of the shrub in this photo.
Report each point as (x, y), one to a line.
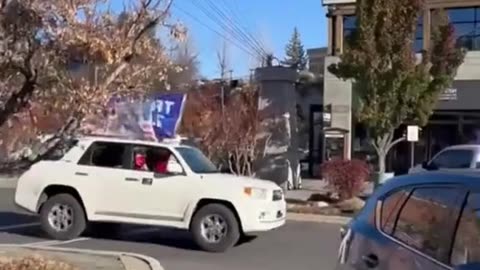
(345, 177)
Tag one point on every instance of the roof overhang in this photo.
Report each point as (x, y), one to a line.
(337, 2)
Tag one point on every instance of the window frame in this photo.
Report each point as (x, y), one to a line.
(474, 34)
(418, 36)
(378, 217)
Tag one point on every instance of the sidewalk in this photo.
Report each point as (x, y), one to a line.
(8, 182)
(79, 259)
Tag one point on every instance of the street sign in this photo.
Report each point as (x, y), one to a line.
(412, 133)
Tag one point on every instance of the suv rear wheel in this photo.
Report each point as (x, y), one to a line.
(62, 217)
(215, 228)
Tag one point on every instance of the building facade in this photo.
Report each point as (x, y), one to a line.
(456, 118)
(316, 60)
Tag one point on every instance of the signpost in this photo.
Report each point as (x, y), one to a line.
(412, 137)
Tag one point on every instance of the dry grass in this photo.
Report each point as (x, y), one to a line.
(35, 262)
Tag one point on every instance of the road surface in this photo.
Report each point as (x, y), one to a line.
(297, 245)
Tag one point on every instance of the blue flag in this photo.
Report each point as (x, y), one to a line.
(164, 113)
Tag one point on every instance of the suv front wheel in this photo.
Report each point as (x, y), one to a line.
(215, 228)
(62, 217)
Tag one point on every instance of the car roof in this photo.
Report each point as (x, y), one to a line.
(464, 147)
(464, 178)
(117, 139)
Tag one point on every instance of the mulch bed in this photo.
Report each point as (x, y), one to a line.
(334, 208)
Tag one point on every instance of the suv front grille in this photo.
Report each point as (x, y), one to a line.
(277, 195)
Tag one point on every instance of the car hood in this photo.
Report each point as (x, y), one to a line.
(240, 180)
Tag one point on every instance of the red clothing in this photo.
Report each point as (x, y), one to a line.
(139, 162)
(161, 167)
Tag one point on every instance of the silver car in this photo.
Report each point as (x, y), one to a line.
(457, 158)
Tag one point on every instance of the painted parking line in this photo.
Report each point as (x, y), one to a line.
(49, 243)
(19, 226)
(42, 243)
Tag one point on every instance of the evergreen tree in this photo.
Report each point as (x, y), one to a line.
(295, 53)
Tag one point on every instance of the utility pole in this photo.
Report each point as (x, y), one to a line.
(231, 74)
(222, 93)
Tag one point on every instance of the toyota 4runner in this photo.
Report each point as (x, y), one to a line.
(137, 182)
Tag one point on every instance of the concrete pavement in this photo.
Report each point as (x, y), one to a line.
(297, 245)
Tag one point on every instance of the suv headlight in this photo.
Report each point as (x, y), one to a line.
(255, 193)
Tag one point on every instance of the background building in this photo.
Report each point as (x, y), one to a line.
(457, 114)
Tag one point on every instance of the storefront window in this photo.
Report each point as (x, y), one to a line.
(350, 24)
(418, 42)
(466, 22)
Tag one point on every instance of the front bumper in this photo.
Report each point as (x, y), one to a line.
(264, 216)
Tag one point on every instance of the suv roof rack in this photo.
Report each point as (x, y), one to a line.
(177, 140)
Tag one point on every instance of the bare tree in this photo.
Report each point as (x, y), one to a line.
(185, 69)
(223, 58)
(72, 56)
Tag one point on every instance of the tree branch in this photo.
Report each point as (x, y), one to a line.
(392, 144)
(128, 57)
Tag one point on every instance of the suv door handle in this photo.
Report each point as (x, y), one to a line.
(130, 179)
(147, 181)
(81, 174)
(371, 260)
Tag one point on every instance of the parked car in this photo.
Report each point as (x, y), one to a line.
(428, 221)
(148, 183)
(457, 158)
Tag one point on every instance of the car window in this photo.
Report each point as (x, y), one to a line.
(466, 248)
(425, 219)
(104, 154)
(391, 207)
(152, 158)
(197, 161)
(62, 148)
(454, 159)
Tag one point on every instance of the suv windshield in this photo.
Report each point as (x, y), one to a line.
(197, 161)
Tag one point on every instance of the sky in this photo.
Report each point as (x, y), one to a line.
(270, 22)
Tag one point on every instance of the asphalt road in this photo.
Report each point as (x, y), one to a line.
(297, 245)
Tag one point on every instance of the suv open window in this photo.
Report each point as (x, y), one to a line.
(151, 158)
(105, 154)
(61, 149)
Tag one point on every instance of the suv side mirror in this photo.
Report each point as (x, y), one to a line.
(429, 167)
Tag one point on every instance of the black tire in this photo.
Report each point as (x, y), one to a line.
(78, 224)
(233, 229)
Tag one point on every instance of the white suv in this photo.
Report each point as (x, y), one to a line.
(137, 182)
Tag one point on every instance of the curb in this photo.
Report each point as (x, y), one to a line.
(318, 218)
(8, 183)
(151, 262)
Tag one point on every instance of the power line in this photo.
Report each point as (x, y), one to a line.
(245, 37)
(232, 10)
(225, 26)
(241, 47)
